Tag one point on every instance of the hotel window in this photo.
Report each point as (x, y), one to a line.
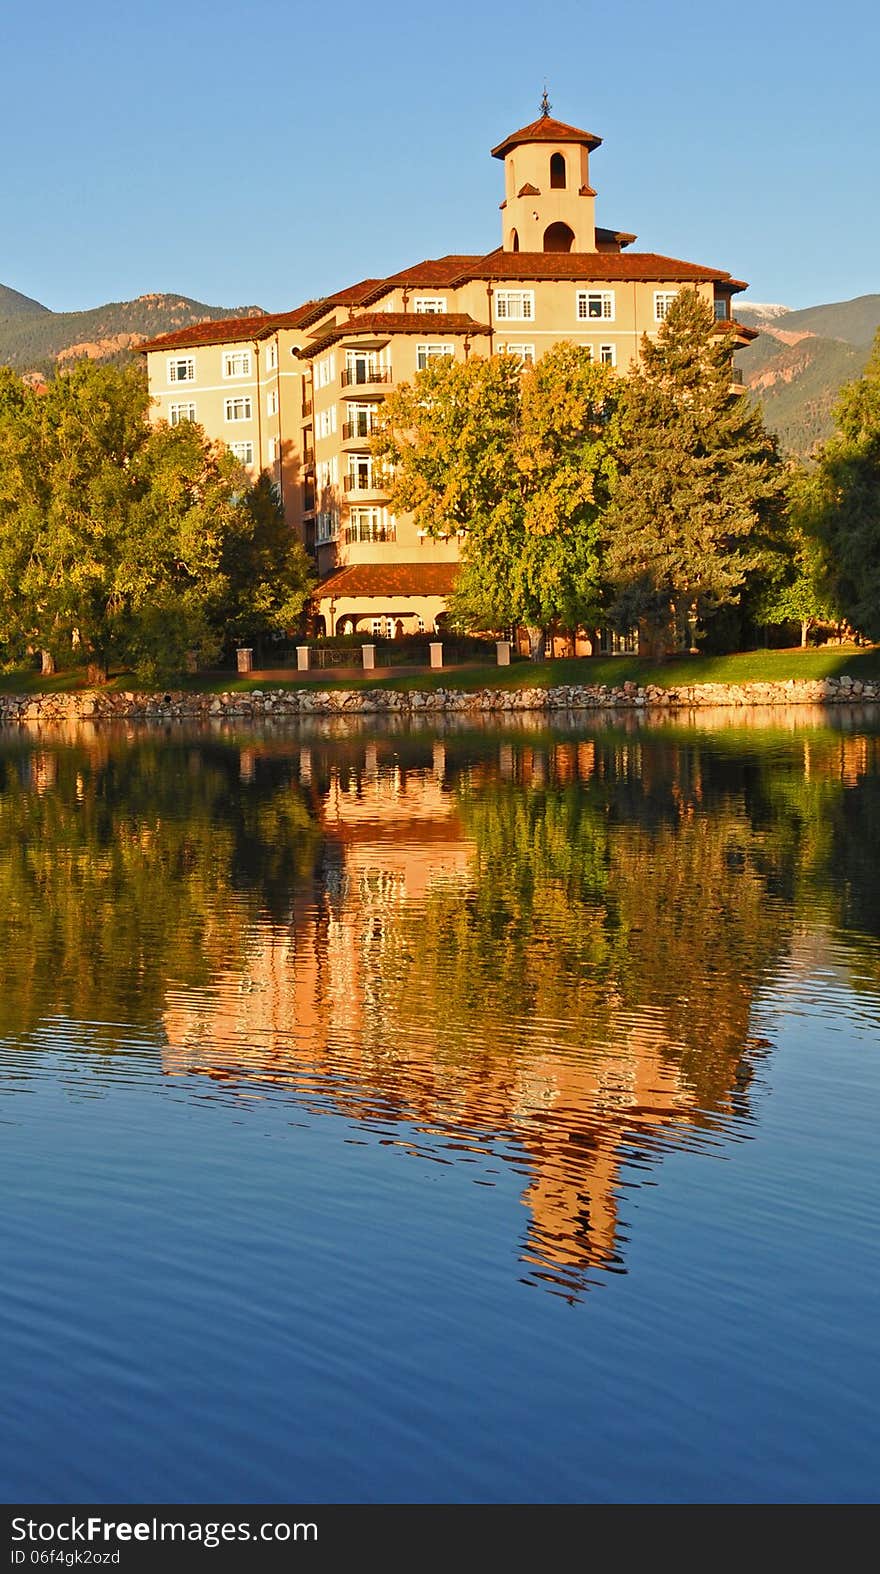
(722, 308)
(430, 352)
(595, 304)
(360, 473)
(244, 452)
(662, 301)
(327, 473)
(608, 354)
(272, 402)
(274, 450)
(362, 366)
(430, 304)
(325, 371)
(515, 305)
(360, 421)
(181, 412)
(376, 627)
(524, 352)
(325, 421)
(236, 363)
(182, 370)
(238, 409)
(272, 356)
(327, 526)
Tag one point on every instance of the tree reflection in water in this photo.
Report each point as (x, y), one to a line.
(538, 948)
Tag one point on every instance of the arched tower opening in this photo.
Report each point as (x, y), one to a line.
(514, 241)
(558, 237)
(557, 171)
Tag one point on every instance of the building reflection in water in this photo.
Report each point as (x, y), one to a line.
(562, 1037)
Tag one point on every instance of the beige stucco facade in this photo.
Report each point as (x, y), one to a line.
(298, 394)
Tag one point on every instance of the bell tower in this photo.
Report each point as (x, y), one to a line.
(549, 204)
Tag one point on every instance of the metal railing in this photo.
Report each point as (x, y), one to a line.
(361, 482)
(354, 376)
(352, 429)
(357, 533)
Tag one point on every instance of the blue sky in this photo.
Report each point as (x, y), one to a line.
(266, 152)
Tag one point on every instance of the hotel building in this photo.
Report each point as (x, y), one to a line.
(297, 393)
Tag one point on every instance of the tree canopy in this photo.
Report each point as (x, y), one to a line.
(135, 543)
(520, 462)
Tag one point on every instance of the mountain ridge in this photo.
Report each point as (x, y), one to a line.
(34, 339)
(797, 367)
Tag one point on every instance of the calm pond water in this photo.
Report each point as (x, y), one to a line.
(413, 1114)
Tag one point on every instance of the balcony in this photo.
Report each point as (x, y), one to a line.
(369, 533)
(361, 377)
(307, 408)
(364, 481)
(358, 431)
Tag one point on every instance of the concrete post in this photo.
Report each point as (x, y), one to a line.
(369, 657)
(302, 658)
(244, 658)
(436, 650)
(502, 651)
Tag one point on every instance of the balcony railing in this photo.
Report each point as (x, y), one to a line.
(363, 482)
(352, 429)
(356, 533)
(354, 376)
(307, 407)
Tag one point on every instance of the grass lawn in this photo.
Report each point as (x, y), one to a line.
(754, 666)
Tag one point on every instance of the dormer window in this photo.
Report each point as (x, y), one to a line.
(557, 172)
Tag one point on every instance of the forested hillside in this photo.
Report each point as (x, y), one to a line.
(34, 339)
(801, 361)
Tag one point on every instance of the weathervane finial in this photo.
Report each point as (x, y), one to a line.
(545, 103)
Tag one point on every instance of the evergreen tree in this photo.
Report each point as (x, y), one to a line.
(794, 586)
(700, 479)
(846, 500)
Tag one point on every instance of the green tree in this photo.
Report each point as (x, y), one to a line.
(796, 587)
(520, 463)
(699, 480)
(127, 541)
(845, 500)
(267, 570)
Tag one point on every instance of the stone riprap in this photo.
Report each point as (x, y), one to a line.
(96, 705)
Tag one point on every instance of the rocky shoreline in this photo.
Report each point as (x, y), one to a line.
(95, 705)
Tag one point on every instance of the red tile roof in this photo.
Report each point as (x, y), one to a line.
(730, 325)
(588, 267)
(546, 129)
(448, 272)
(384, 324)
(227, 330)
(231, 330)
(389, 580)
(579, 266)
(353, 295)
